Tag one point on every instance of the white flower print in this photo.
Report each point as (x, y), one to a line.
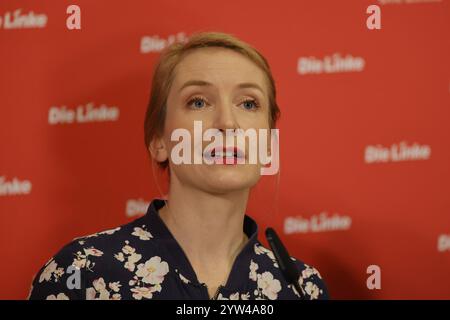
(312, 290)
(106, 232)
(141, 233)
(127, 249)
(110, 231)
(93, 252)
(132, 256)
(99, 288)
(115, 286)
(81, 260)
(253, 268)
(60, 296)
(245, 296)
(270, 286)
(116, 296)
(183, 278)
(119, 256)
(310, 271)
(58, 273)
(148, 278)
(131, 263)
(48, 271)
(221, 297)
(142, 292)
(234, 296)
(290, 286)
(104, 295)
(51, 270)
(259, 249)
(99, 284)
(153, 271)
(90, 293)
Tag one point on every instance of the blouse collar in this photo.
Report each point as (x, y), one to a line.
(239, 275)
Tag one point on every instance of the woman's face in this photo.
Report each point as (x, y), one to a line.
(224, 90)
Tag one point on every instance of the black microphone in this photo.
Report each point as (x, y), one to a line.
(287, 266)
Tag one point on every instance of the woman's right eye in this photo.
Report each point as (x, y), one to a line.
(196, 103)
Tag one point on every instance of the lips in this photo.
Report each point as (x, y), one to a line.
(227, 152)
(221, 154)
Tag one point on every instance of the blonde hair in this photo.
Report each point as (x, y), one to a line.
(164, 74)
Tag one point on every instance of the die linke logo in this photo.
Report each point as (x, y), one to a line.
(335, 63)
(157, 44)
(82, 114)
(19, 20)
(396, 152)
(14, 187)
(443, 243)
(317, 223)
(136, 207)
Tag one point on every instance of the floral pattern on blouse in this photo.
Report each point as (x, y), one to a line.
(142, 260)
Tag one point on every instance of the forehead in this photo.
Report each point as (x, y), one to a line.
(220, 66)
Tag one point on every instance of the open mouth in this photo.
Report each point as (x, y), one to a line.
(223, 155)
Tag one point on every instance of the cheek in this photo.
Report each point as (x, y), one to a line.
(179, 118)
(257, 120)
(175, 121)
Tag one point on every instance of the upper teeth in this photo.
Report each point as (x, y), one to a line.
(226, 154)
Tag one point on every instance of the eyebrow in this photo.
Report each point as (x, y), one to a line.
(243, 85)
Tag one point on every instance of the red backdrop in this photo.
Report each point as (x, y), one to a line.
(364, 131)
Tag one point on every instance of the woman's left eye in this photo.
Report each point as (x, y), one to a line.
(197, 103)
(250, 104)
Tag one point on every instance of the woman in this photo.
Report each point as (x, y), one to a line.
(198, 244)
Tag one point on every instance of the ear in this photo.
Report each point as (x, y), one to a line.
(158, 150)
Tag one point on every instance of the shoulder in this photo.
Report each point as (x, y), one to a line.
(310, 279)
(51, 280)
(86, 257)
(83, 251)
(105, 243)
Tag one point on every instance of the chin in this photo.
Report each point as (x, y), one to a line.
(224, 180)
(225, 189)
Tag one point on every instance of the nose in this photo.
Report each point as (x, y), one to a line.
(225, 117)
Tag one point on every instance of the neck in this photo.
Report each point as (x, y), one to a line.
(208, 227)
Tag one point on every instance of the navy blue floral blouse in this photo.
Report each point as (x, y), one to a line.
(142, 260)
